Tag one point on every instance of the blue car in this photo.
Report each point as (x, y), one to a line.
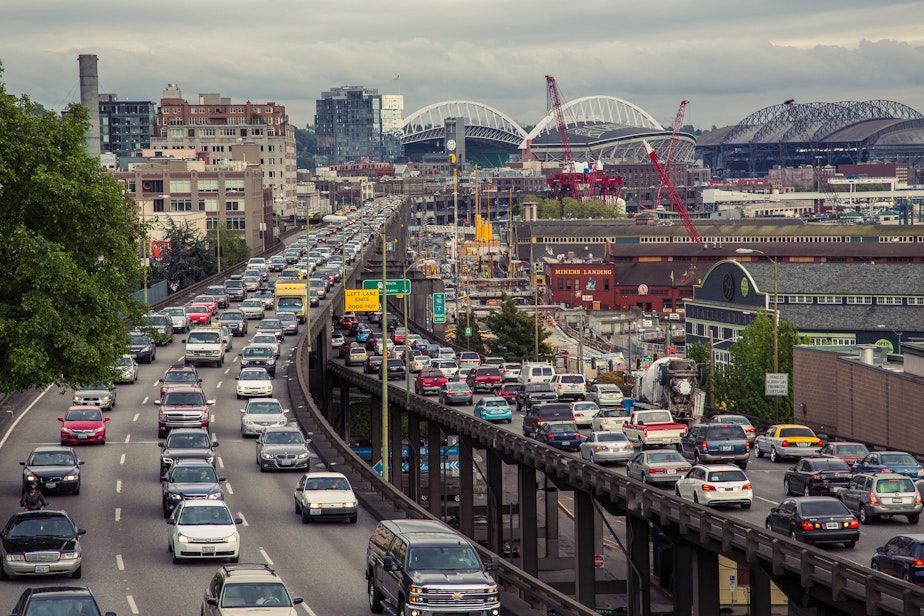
(362, 334)
(890, 462)
(560, 434)
(493, 408)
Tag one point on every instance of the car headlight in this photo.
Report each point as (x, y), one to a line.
(14, 558)
(230, 538)
(99, 430)
(267, 456)
(71, 477)
(106, 398)
(70, 555)
(215, 496)
(173, 496)
(65, 430)
(301, 456)
(29, 477)
(182, 538)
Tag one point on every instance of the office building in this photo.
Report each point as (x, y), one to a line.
(125, 127)
(353, 123)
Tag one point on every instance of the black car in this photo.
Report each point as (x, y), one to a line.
(395, 369)
(235, 289)
(535, 394)
(220, 294)
(235, 321)
(373, 365)
(142, 347)
(814, 519)
(158, 326)
(40, 543)
(53, 468)
(560, 434)
(259, 356)
(816, 476)
(901, 557)
(44, 600)
(186, 444)
(189, 479)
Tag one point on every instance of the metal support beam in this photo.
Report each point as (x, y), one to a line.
(706, 565)
(529, 520)
(434, 476)
(638, 589)
(396, 445)
(494, 476)
(466, 487)
(585, 548)
(413, 448)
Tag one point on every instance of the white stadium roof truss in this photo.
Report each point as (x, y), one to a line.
(481, 122)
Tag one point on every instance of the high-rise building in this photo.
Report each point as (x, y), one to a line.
(215, 126)
(125, 127)
(353, 123)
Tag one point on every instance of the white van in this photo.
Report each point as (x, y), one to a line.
(536, 373)
(204, 346)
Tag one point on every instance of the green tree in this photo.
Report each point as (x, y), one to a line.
(515, 333)
(69, 251)
(234, 248)
(185, 259)
(474, 342)
(306, 147)
(740, 384)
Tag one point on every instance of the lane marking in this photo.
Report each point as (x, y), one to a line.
(135, 418)
(227, 370)
(118, 486)
(308, 609)
(228, 488)
(221, 463)
(156, 383)
(244, 520)
(120, 563)
(145, 401)
(269, 561)
(122, 459)
(218, 386)
(23, 414)
(118, 514)
(128, 437)
(767, 500)
(131, 604)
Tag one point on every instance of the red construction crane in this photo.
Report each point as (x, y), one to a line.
(671, 148)
(570, 182)
(676, 201)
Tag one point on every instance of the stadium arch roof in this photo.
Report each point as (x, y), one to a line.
(482, 122)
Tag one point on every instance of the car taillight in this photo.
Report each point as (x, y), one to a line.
(707, 488)
(918, 563)
(816, 476)
(808, 526)
(820, 443)
(785, 443)
(747, 486)
(645, 431)
(656, 470)
(750, 430)
(704, 447)
(917, 499)
(853, 524)
(550, 436)
(872, 499)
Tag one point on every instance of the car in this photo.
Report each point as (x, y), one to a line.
(902, 557)
(46, 600)
(605, 395)
(227, 337)
(814, 520)
(252, 282)
(816, 476)
(487, 378)
(261, 413)
(373, 365)
(395, 368)
(276, 263)
(247, 589)
(347, 320)
(282, 448)
(363, 333)
(235, 320)
(584, 412)
(179, 376)
(357, 355)
(570, 386)
(609, 419)
(259, 356)
(220, 294)
(272, 326)
(189, 479)
(83, 424)
(448, 367)
(206, 300)
(787, 441)
(234, 287)
(497, 362)
(141, 347)
(890, 462)
(716, 484)
(102, 395)
(469, 360)
(159, 327)
(399, 335)
(325, 495)
(604, 447)
(289, 322)
(199, 314)
(563, 435)
(716, 443)
(508, 391)
(417, 361)
(203, 529)
(510, 371)
(741, 420)
(126, 369)
(429, 381)
(657, 466)
(267, 296)
(40, 543)
(850, 453)
(187, 444)
(534, 394)
(455, 392)
(268, 339)
(53, 468)
(493, 408)
(872, 496)
(183, 407)
(337, 340)
(253, 308)
(254, 383)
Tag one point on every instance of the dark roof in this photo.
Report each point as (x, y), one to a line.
(839, 278)
(854, 318)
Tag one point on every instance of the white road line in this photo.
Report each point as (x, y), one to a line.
(308, 609)
(243, 519)
(118, 514)
(122, 459)
(135, 418)
(766, 500)
(269, 561)
(218, 386)
(227, 370)
(120, 563)
(221, 463)
(228, 488)
(131, 604)
(23, 414)
(156, 383)
(118, 486)
(128, 437)
(145, 401)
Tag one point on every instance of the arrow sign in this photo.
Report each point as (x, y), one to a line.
(392, 287)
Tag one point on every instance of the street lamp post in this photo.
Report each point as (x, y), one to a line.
(776, 322)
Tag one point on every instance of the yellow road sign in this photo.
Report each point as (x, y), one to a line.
(362, 300)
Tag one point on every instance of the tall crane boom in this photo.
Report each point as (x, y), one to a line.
(672, 147)
(676, 201)
(554, 100)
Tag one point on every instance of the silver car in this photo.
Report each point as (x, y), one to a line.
(282, 448)
(603, 447)
(253, 308)
(658, 466)
(41, 543)
(260, 414)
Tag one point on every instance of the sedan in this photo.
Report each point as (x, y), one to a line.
(189, 479)
(890, 462)
(289, 323)
(52, 468)
(102, 395)
(603, 447)
(324, 495)
(206, 300)
(336, 340)
(260, 414)
(37, 600)
(141, 347)
(83, 424)
(373, 365)
(357, 355)
(40, 543)
(901, 557)
(200, 529)
(657, 466)
(584, 412)
(282, 448)
(455, 392)
(814, 519)
(492, 408)
(200, 315)
(253, 308)
(605, 395)
(716, 484)
(267, 339)
(559, 434)
(272, 326)
(609, 420)
(816, 476)
(851, 453)
(254, 382)
(126, 369)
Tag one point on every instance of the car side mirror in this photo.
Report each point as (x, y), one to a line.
(157, 402)
(170, 522)
(80, 462)
(106, 418)
(213, 601)
(238, 520)
(60, 419)
(880, 550)
(222, 479)
(792, 468)
(216, 444)
(774, 509)
(493, 564)
(81, 531)
(210, 402)
(162, 380)
(297, 600)
(162, 444)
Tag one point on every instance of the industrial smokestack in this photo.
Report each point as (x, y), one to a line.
(89, 98)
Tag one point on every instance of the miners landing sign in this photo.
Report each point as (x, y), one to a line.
(581, 285)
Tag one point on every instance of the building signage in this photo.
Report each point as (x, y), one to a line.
(776, 384)
(583, 272)
(643, 289)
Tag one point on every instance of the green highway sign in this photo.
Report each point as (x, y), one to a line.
(439, 307)
(392, 287)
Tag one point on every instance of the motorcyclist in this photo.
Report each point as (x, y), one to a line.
(32, 499)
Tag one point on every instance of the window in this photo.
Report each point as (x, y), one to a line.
(859, 299)
(830, 299)
(232, 206)
(181, 205)
(236, 222)
(207, 185)
(799, 299)
(889, 301)
(234, 184)
(561, 284)
(180, 186)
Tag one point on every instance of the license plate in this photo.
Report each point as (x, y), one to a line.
(41, 569)
(671, 471)
(802, 444)
(285, 462)
(897, 500)
(729, 489)
(566, 443)
(832, 525)
(208, 549)
(314, 512)
(51, 486)
(82, 436)
(726, 447)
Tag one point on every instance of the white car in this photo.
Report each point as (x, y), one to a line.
(337, 340)
(126, 369)
(449, 367)
(584, 412)
(203, 529)
(325, 495)
(178, 317)
(254, 382)
(268, 340)
(716, 484)
(419, 362)
(253, 308)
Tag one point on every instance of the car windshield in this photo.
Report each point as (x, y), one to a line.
(611, 437)
(52, 458)
(534, 387)
(730, 475)
(264, 408)
(254, 375)
(613, 413)
(585, 406)
(327, 483)
(180, 377)
(900, 459)
(264, 339)
(829, 506)
(46, 526)
(177, 398)
(204, 337)
(450, 558)
(667, 456)
(255, 595)
(270, 324)
(138, 339)
(231, 316)
(791, 432)
(198, 474)
(500, 403)
(202, 516)
(84, 415)
(84, 606)
(258, 352)
(288, 437)
(197, 309)
(188, 441)
(124, 361)
(607, 389)
(252, 303)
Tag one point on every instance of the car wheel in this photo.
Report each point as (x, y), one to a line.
(913, 518)
(4, 576)
(773, 455)
(850, 544)
(353, 519)
(677, 492)
(865, 517)
(78, 573)
(745, 505)
(874, 565)
(767, 525)
(695, 497)
(298, 508)
(375, 598)
(743, 465)
(696, 459)
(77, 490)
(176, 559)
(792, 535)
(757, 451)
(305, 518)
(905, 576)
(786, 489)
(262, 468)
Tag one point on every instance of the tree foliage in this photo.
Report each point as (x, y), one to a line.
(740, 384)
(234, 248)
(515, 333)
(185, 259)
(474, 342)
(306, 147)
(69, 251)
(574, 209)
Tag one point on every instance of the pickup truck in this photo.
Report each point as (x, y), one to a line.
(654, 428)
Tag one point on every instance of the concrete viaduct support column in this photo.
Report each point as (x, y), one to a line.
(396, 442)
(706, 570)
(434, 475)
(639, 582)
(585, 545)
(375, 421)
(466, 487)
(494, 475)
(529, 520)
(551, 520)
(340, 420)
(413, 447)
(683, 581)
(760, 592)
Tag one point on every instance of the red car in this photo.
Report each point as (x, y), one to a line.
(207, 300)
(83, 424)
(347, 320)
(399, 335)
(484, 377)
(179, 376)
(429, 381)
(200, 314)
(508, 391)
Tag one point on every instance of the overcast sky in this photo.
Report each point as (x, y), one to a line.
(729, 58)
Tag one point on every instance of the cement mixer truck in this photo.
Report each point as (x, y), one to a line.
(672, 383)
